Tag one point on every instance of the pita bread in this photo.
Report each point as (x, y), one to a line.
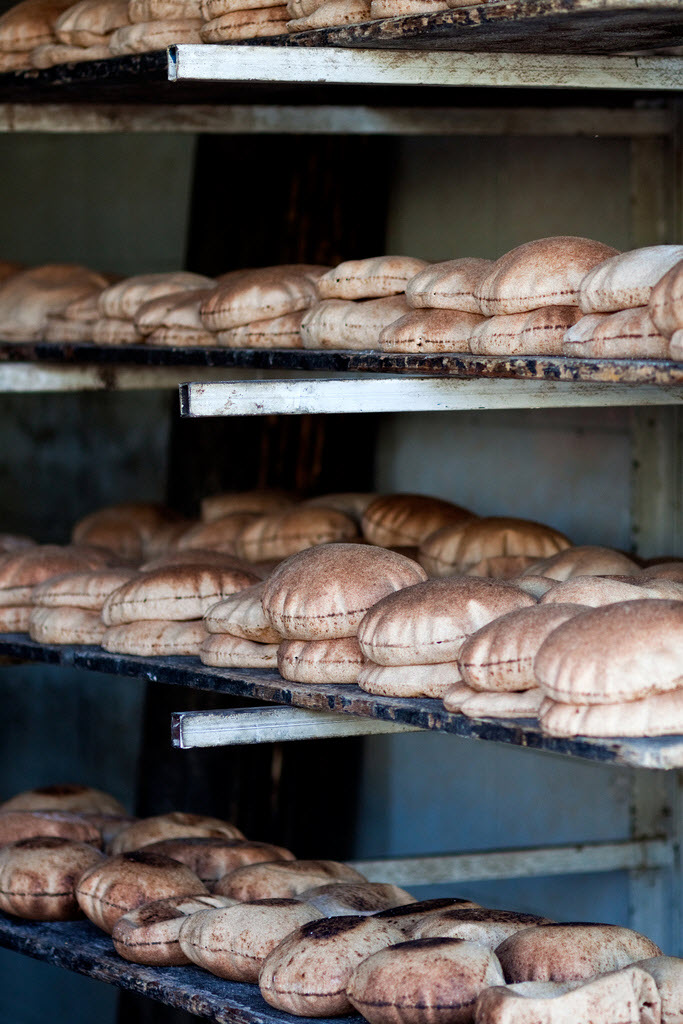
(628, 334)
(15, 618)
(233, 943)
(242, 615)
(663, 571)
(150, 638)
(400, 8)
(250, 24)
(667, 972)
(571, 952)
(280, 332)
(584, 561)
(18, 824)
(372, 278)
(212, 858)
(16, 61)
(181, 337)
(154, 35)
(486, 927)
(676, 346)
(195, 556)
(546, 272)
(112, 331)
(503, 705)
(409, 918)
(220, 650)
(128, 529)
(47, 56)
(342, 324)
(536, 586)
(658, 715)
(29, 24)
(626, 995)
(339, 899)
(58, 327)
(123, 299)
(620, 652)
(29, 298)
(151, 934)
(73, 798)
(123, 883)
(81, 589)
(178, 309)
(434, 979)
(283, 879)
(666, 301)
(320, 661)
(174, 825)
(408, 680)
(351, 503)
(308, 972)
(85, 310)
(596, 591)
(22, 571)
(218, 534)
(211, 9)
(626, 280)
(495, 546)
(179, 593)
(540, 332)
(405, 520)
(292, 530)
(258, 502)
(322, 593)
(430, 330)
(37, 877)
(66, 626)
(428, 623)
(249, 295)
(89, 22)
(163, 10)
(449, 285)
(500, 656)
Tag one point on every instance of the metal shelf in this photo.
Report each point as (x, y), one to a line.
(666, 752)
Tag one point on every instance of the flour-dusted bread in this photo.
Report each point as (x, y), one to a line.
(408, 919)
(177, 309)
(154, 35)
(409, 680)
(667, 972)
(178, 594)
(233, 943)
(307, 973)
(476, 924)
(405, 520)
(628, 995)
(324, 592)
(626, 280)
(525, 704)
(16, 824)
(628, 334)
(283, 879)
(38, 877)
(497, 546)
(175, 825)
(65, 796)
(345, 324)
(123, 299)
(155, 638)
(125, 882)
(571, 952)
(22, 571)
(596, 591)
(221, 650)
(285, 533)
(620, 652)
(539, 332)
(546, 272)
(244, 296)
(212, 858)
(448, 285)
(151, 934)
(430, 330)
(371, 278)
(360, 898)
(89, 22)
(250, 24)
(583, 561)
(88, 590)
(278, 332)
(242, 615)
(236, 502)
(428, 623)
(658, 715)
(666, 301)
(29, 24)
(47, 56)
(500, 656)
(15, 618)
(436, 980)
(66, 626)
(331, 14)
(320, 661)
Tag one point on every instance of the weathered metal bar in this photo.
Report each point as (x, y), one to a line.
(29, 378)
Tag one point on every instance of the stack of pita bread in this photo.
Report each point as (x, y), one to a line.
(240, 634)
(242, 19)
(615, 298)
(156, 24)
(26, 27)
(123, 316)
(359, 299)
(84, 32)
(30, 300)
(666, 309)
(309, 14)
(261, 308)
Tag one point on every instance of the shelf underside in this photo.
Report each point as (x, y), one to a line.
(666, 752)
(79, 946)
(663, 373)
